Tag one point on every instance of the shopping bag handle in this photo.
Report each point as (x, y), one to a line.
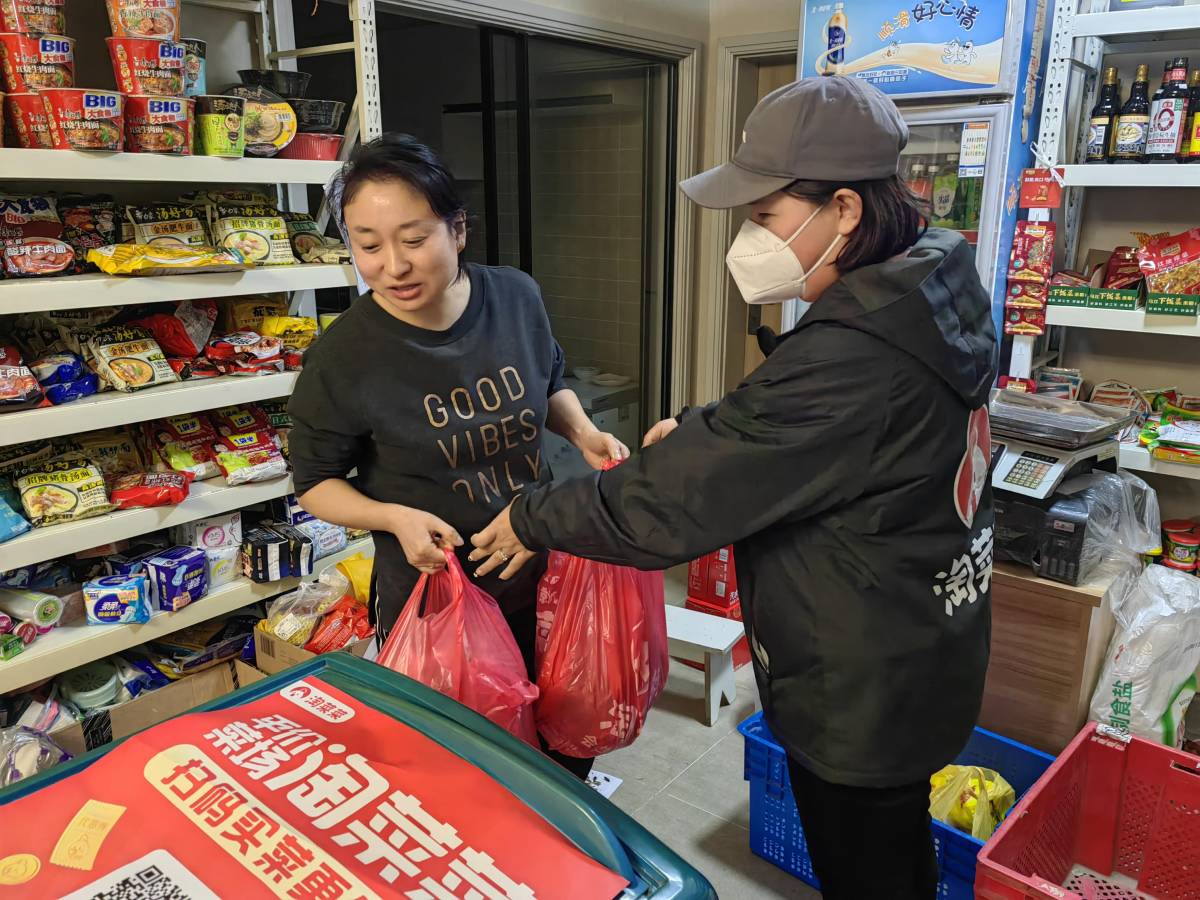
(453, 571)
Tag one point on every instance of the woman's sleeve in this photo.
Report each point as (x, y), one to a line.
(793, 442)
(327, 438)
(558, 368)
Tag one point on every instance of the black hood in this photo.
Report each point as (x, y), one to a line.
(929, 304)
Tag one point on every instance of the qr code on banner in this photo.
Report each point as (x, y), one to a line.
(156, 876)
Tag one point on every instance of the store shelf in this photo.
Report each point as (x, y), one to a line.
(77, 644)
(1138, 459)
(1122, 320)
(1147, 175)
(1140, 25)
(207, 498)
(79, 165)
(84, 291)
(117, 408)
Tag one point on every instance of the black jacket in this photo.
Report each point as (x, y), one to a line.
(850, 472)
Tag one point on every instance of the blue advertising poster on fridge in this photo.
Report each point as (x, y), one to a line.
(908, 47)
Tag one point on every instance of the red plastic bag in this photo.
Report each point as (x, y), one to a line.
(458, 642)
(601, 651)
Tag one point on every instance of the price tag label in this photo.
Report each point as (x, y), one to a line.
(972, 149)
(1040, 190)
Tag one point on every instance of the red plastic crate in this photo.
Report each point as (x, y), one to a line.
(1113, 818)
(741, 650)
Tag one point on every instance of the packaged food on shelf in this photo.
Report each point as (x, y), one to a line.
(302, 232)
(32, 62)
(12, 523)
(144, 18)
(257, 232)
(159, 124)
(16, 457)
(1171, 263)
(1032, 255)
(84, 119)
(31, 232)
(296, 332)
(1025, 321)
(344, 622)
(220, 126)
(185, 331)
(245, 458)
(178, 576)
(147, 65)
(19, 389)
(26, 113)
(150, 489)
(167, 224)
(246, 353)
(240, 419)
(313, 146)
(283, 82)
(1122, 270)
(195, 67)
(89, 222)
(247, 313)
(117, 599)
(34, 16)
(144, 259)
(1026, 295)
(331, 252)
(222, 565)
(10, 646)
(183, 444)
(62, 489)
(317, 116)
(129, 359)
(211, 533)
(293, 616)
(270, 124)
(191, 369)
(113, 450)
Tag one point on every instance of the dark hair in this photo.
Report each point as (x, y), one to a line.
(401, 157)
(893, 218)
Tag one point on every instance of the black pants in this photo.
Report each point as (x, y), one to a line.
(523, 623)
(867, 843)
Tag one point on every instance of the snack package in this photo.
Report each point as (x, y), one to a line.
(331, 252)
(1026, 295)
(303, 232)
(113, 450)
(33, 257)
(15, 457)
(169, 224)
(257, 232)
(19, 389)
(246, 353)
(57, 368)
(247, 313)
(117, 600)
(193, 369)
(240, 419)
(88, 224)
(1171, 264)
(150, 489)
(345, 622)
(221, 565)
(62, 490)
(1025, 321)
(264, 555)
(1121, 272)
(129, 359)
(184, 444)
(12, 523)
(281, 421)
(178, 576)
(211, 533)
(230, 196)
(1032, 255)
(30, 235)
(143, 259)
(296, 332)
(185, 331)
(81, 387)
(293, 616)
(253, 456)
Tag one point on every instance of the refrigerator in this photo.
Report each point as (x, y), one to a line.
(966, 75)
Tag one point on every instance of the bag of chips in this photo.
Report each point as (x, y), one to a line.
(185, 331)
(244, 458)
(150, 489)
(63, 489)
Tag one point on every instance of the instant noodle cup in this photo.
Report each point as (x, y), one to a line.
(220, 125)
(26, 116)
(144, 18)
(145, 66)
(34, 16)
(83, 119)
(30, 61)
(270, 121)
(156, 124)
(195, 78)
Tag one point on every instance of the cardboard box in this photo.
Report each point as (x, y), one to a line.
(1172, 304)
(274, 655)
(741, 650)
(698, 576)
(713, 578)
(1068, 295)
(103, 726)
(215, 531)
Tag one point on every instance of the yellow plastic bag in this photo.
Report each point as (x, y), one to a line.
(970, 799)
(357, 570)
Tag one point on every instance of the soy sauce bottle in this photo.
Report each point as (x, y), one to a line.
(1103, 115)
(1191, 139)
(1133, 122)
(1169, 114)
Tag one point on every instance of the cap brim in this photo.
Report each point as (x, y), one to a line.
(729, 185)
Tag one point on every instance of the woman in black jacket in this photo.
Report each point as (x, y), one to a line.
(850, 472)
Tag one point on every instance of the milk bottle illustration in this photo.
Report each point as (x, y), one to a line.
(836, 39)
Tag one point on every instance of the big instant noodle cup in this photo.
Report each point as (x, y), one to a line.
(147, 66)
(157, 124)
(34, 16)
(31, 61)
(83, 119)
(28, 120)
(195, 79)
(144, 18)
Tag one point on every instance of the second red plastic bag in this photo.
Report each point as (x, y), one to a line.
(458, 642)
(602, 654)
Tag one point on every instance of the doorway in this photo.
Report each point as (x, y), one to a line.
(564, 155)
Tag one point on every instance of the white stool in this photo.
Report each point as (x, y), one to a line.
(699, 637)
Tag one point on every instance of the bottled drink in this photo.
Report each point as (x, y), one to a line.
(1191, 141)
(1133, 122)
(1103, 114)
(921, 185)
(835, 40)
(946, 211)
(1169, 114)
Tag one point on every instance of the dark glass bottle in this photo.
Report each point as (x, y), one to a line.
(1169, 114)
(1103, 115)
(1191, 140)
(1133, 122)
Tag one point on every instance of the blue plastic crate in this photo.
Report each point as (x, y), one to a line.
(776, 835)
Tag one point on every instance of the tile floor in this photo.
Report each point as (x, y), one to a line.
(683, 782)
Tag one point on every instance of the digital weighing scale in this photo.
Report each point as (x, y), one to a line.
(1036, 470)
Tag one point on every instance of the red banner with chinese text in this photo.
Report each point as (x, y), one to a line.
(306, 794)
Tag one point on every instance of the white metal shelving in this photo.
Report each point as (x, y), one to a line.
(84, 165)
(113, 408)
(96, 289)
(1147, 175)
(1138, 459)
(79, 643)
(1137, 320)
(1138, 25)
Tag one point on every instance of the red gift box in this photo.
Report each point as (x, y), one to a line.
(713, 578)
(741, 650)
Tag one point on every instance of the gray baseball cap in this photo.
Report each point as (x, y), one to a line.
(829, 128)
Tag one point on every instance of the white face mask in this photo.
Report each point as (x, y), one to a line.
(764, 267)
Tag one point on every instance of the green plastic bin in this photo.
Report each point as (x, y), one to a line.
(588, 820)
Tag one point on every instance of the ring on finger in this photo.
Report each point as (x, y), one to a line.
(504, 557)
